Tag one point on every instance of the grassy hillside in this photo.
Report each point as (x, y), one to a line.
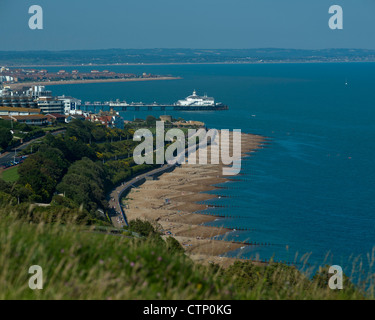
(10, 175)
(79, 263)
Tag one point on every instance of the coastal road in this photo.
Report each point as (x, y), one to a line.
(118, 216)
(6, 157)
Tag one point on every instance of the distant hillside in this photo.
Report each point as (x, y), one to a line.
(135, 56)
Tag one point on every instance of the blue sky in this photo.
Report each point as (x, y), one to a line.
(94, 24)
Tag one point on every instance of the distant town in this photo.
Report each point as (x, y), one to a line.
(25, 75)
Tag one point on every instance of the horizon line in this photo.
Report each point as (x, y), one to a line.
(177, 48)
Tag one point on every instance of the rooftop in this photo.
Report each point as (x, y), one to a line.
(55, 115)
(18, 109)
(32, 117)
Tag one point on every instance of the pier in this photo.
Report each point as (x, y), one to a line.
(193, 102)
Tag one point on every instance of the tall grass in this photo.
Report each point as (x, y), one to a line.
(79, 263)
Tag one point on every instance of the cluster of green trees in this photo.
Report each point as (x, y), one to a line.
(114, 150)
(20, 130)
(85, 183)
(82, 164)
(150, 232)
(41, 172)
(123, 170)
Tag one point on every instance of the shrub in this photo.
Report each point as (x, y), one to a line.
(144, 228)
(173, 246)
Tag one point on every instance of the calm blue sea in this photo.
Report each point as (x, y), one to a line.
(312, 190)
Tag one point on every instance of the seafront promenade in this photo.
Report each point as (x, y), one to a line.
(118, 215)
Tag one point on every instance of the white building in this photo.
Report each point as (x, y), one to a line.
(71, 105)
(6, 78)
(38, 91)
(5, 92)
(50, 105)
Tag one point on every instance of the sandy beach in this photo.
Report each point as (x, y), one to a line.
(171, 202)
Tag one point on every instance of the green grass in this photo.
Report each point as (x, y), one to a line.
(10, 175)
(80, 264)
(54, 128)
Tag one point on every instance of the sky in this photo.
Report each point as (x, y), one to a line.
(203, 24)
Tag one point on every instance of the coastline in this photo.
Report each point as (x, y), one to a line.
(64, 82)
(184, 187)
(181, 63)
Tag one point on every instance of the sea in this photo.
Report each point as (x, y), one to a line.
(308, 197)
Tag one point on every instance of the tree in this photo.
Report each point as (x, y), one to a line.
(41, 172)
(21, 193)
(144, 228)
(80, 130)
(151, 121)
(85, 183)
(98, 133)
(76, 149)
(5, 137)
(174, 246)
